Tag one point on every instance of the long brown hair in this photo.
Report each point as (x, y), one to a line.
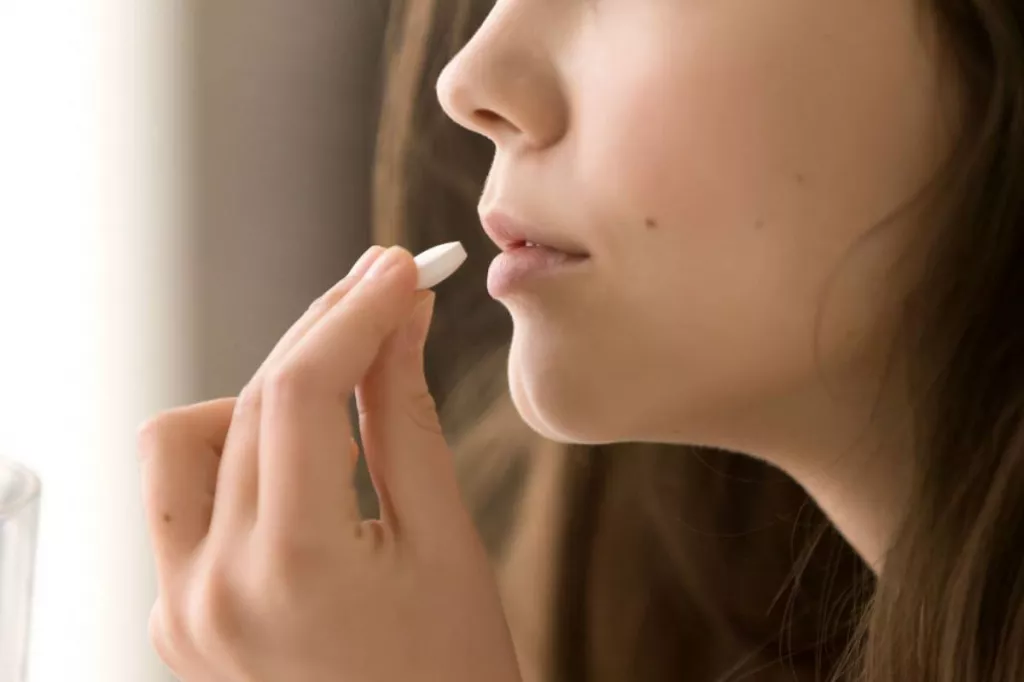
(681, 564)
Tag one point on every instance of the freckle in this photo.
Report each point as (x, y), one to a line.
(800, 179)
(759, 224)
(167, 518)
(651, 223)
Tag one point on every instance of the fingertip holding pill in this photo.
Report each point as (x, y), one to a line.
(438, 263)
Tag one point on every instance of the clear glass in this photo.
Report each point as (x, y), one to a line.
(19, 521)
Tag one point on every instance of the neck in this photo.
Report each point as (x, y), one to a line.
(863, 492)
(852, 453)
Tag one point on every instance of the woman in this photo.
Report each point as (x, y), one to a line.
(642, 562)
(791, 230)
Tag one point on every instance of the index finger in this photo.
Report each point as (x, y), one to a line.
(305, 476)
(239, 472)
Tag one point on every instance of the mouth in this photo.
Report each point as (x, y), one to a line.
(511, 235)
(528, 255)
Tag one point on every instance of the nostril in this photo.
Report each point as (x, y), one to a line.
(488, 117)
(491, 124)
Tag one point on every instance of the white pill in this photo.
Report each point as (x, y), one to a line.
(438, 263)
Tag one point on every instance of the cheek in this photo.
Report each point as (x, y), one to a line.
(676, 130)
(697, 148)
(813, 120)
(762, 146)
(762, 160)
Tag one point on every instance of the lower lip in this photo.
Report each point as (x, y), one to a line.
(513, 268)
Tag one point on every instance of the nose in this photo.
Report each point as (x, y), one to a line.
(505, 85)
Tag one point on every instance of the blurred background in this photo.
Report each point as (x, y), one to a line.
(178, 180)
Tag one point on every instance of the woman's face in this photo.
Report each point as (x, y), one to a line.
(723, 164)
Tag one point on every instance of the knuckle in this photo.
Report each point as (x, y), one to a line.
(286, 571)
(292, 382)
(213, 618)
(423, 413)
(320, 306)
(286, 564)
(160, 644)
(168, 632)
(250, 401)
(331, 297)
(154, 433)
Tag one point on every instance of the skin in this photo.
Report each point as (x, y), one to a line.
(725, 165)
(266, 571)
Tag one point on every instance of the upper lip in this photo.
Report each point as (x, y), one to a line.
(509, 233)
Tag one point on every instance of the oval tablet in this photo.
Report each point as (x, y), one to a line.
(438, 263)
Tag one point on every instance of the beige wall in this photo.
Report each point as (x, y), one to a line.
(284, 104)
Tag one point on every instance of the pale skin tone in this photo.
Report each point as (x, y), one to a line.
(724, 164)
(266, 570)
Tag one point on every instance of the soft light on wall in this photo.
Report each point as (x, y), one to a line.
(92, 299)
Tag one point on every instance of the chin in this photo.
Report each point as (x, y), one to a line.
(560, 400)
(565, 393)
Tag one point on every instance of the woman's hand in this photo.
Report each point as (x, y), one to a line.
(266, 571)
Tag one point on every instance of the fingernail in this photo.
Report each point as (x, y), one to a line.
(387, 261)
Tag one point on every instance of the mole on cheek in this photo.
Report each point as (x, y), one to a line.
(167, 518)
(651, 224)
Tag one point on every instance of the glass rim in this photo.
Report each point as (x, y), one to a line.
(26, 486)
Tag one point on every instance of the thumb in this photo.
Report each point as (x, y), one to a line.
(408, 458)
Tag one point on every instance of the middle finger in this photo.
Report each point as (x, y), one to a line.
(319, 308)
